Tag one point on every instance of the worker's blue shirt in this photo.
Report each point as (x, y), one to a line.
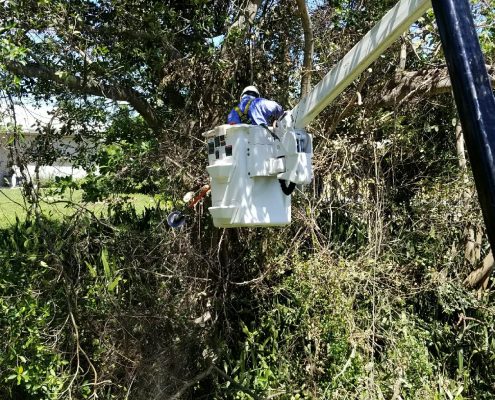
(261, 111)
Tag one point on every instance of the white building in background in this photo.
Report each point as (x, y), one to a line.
(29, 119)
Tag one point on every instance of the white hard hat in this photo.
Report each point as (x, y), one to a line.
(250, 89)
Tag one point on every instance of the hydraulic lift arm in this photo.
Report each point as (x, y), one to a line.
(368, 49)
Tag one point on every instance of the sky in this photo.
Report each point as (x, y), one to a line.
(28, 116)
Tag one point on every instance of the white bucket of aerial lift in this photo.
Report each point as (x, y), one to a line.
(245, 162)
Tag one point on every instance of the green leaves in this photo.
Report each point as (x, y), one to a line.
(91, 269)
(111, 276)
(27, 362)
(106, 265)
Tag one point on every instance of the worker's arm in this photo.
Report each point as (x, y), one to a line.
(233, 117)
(270, 109)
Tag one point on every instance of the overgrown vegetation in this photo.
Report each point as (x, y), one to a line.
(361, 297)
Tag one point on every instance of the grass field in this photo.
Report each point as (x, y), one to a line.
(12, 205)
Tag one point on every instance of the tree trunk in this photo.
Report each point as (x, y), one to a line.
(480, 277)
(473, 232)
(247, 16)
(403, 54)
(308, 48)
(472, 253)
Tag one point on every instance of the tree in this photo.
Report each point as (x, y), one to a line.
(124, 51)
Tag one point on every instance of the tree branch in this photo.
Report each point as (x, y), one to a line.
(90, 87)
(429, 82)
(188, 384)
(404, 86)
(308, 48)
(247, 16)
(479, 276)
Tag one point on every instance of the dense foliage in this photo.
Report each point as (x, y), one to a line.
(362, 296)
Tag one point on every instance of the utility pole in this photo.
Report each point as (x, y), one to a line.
(474, 98)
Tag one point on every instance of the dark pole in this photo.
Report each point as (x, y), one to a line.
(473, 96)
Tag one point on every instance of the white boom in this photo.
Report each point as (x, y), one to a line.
(369, 48)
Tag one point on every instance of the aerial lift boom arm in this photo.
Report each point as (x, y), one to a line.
(295, 142)
(367, 50)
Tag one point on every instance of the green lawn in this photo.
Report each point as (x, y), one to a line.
(12, 205)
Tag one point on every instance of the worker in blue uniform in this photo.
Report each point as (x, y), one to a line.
(254, 110)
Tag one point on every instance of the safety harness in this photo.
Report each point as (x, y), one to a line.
(243, 115)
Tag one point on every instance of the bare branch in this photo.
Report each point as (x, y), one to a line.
(478, 277)
(188, 384)
(404, 86)
(429, 82)
(247, 16)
